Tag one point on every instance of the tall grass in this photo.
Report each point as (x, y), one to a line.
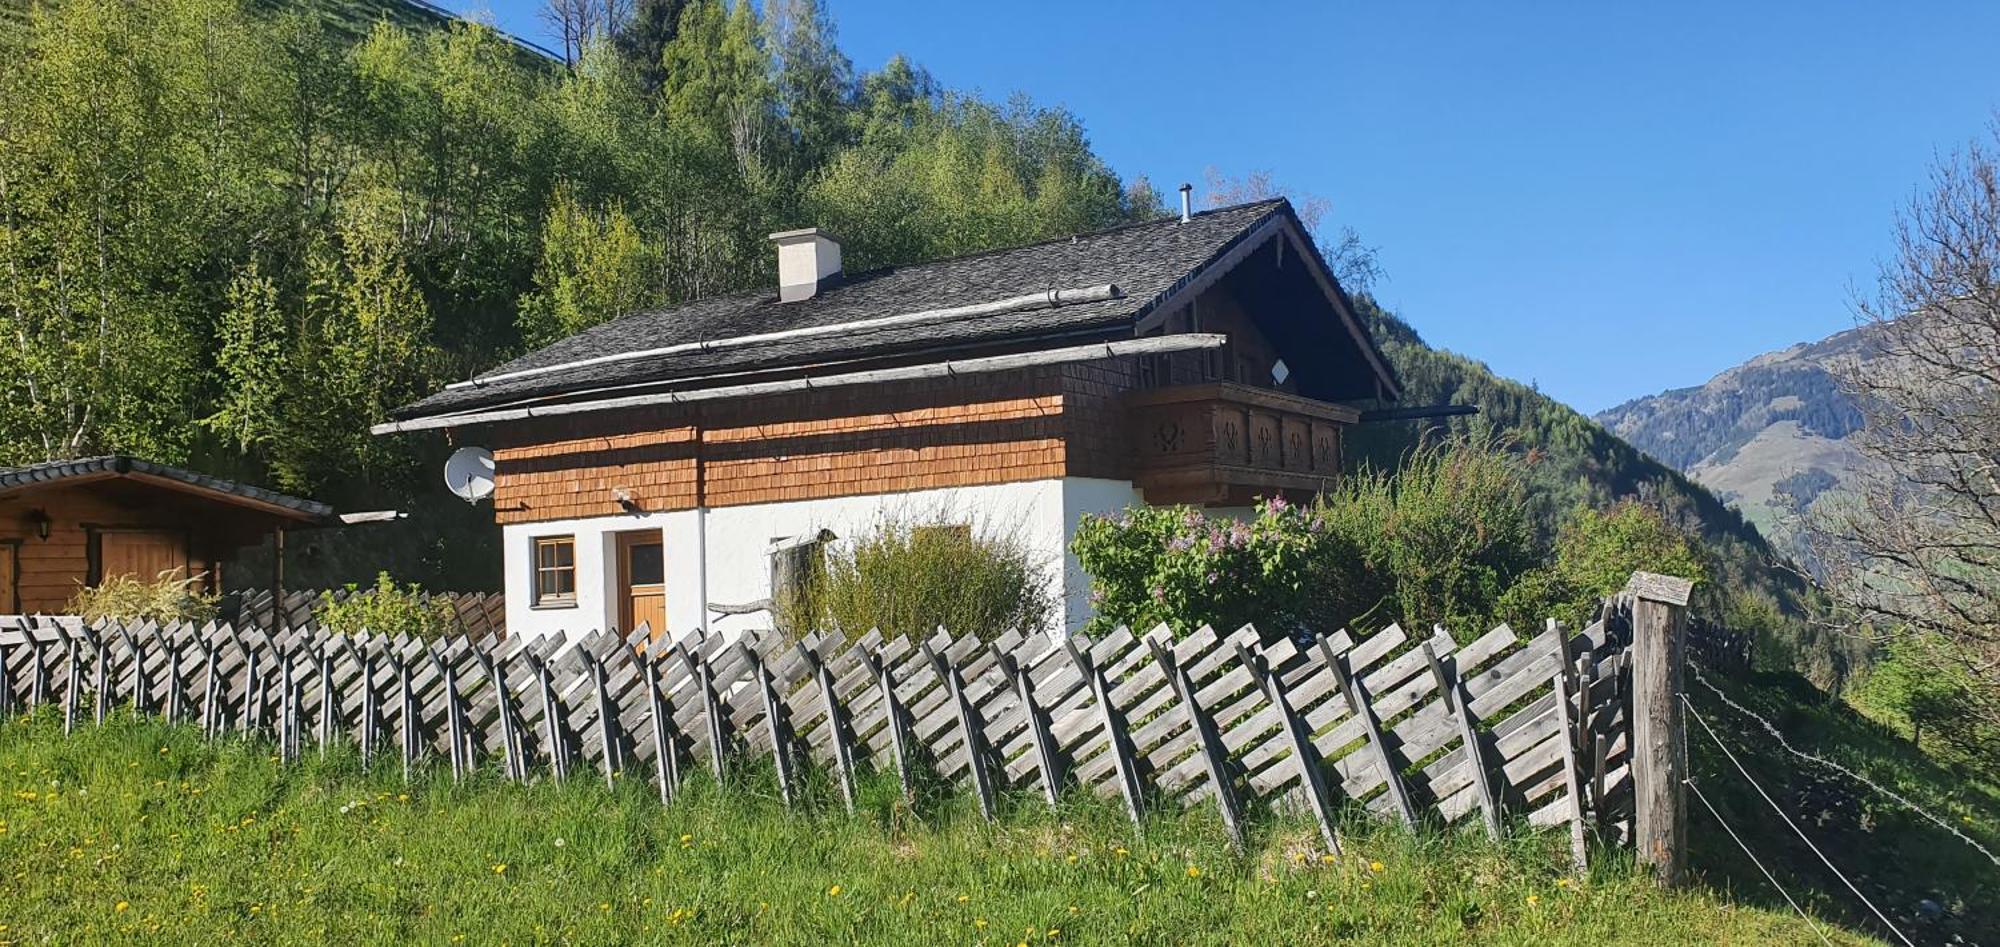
(143, 833)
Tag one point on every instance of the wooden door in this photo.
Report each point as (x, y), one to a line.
(642, 581)
(143, 554)
(10, 575)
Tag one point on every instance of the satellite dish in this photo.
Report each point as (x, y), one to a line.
(469, 473)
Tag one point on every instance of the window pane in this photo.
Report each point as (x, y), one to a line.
(647, 564)
(555, 567)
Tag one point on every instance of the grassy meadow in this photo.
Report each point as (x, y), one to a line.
(143, 833)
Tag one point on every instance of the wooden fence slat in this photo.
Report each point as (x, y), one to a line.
(1305, 758)
(968, 726)
(843, 747)
(1572, 785)
(1452, 692)
(1208, 743)
(1113, 729)
(1378, 748)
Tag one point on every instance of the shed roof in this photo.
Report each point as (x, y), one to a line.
(119, 466)
(1148, 263)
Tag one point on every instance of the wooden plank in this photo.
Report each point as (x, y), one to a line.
(836, 727)
(1305, 758)
(969, 730)
(1042, 752)
(1113, 729)
(1572, 783)
(1209, 743)
(1358, 706)
(1453, 695)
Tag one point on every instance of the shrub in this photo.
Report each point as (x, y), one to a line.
(387, 610)
(1596, 552)
(168, 598)
(1438, 542)
(908, 578)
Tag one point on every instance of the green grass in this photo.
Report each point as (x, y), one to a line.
(138, 832)
(1896, 857)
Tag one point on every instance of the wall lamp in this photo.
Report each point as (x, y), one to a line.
(40, 520)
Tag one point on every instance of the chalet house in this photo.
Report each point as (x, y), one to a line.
(652, 468)
(69, 524)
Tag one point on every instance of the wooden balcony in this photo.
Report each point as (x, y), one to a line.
(1224, 443)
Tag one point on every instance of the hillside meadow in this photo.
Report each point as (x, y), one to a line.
(142, 833)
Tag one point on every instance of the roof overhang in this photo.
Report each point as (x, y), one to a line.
(1285, 227)
(244, 496)
(1090, 352)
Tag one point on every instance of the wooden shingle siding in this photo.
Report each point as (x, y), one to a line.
(1000, 428)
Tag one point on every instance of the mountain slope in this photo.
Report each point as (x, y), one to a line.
(1574, 461)
(1766, 435)
(350, 19)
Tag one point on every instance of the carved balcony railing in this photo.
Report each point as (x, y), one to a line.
(1223, 443)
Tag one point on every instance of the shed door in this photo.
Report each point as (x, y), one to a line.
(143, 554)
(10, 576)
(642, 581)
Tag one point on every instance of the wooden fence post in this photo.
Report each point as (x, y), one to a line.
(1659, 727)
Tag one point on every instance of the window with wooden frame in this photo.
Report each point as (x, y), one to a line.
(555, 571)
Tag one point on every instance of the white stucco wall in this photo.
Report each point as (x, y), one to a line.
(1042, 514)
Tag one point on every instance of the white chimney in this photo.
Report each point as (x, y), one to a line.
(1187, 202)
(806, 259)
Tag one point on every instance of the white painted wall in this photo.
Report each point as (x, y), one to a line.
(1043, 514)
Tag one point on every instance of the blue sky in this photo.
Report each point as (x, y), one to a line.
(1603, 199)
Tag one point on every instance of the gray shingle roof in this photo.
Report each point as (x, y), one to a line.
(15, 478)
(1145, 261)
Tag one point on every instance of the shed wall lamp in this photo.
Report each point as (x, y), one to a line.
(41, 521)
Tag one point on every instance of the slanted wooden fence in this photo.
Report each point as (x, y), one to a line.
(1412, 727)
(480, 614)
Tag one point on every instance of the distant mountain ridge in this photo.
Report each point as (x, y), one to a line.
(1768, 435)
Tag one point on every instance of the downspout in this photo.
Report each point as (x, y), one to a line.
(701, 520)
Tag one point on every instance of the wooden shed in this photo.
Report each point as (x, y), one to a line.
(73, 523)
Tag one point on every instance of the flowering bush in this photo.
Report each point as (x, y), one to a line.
(1440, 541)
(1184, 567)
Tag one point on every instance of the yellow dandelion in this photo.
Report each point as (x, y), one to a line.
(1375, 866)
(500, 868)
(979, 922)
(1055, 932)
(1534, 899)
(1194, 871)
(121, 907)
(1120, 851)
(964, 898)
(1562, 882)
(833, 892)
(1072, 859)
(1327, 859)
(604, 905)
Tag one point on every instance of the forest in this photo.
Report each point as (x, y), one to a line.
(232, 236)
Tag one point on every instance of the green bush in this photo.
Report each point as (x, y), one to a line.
(1439, 541)
(1596, 552)
(168, 598)
(1921, 685)
(909, 578)
(387, 610)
